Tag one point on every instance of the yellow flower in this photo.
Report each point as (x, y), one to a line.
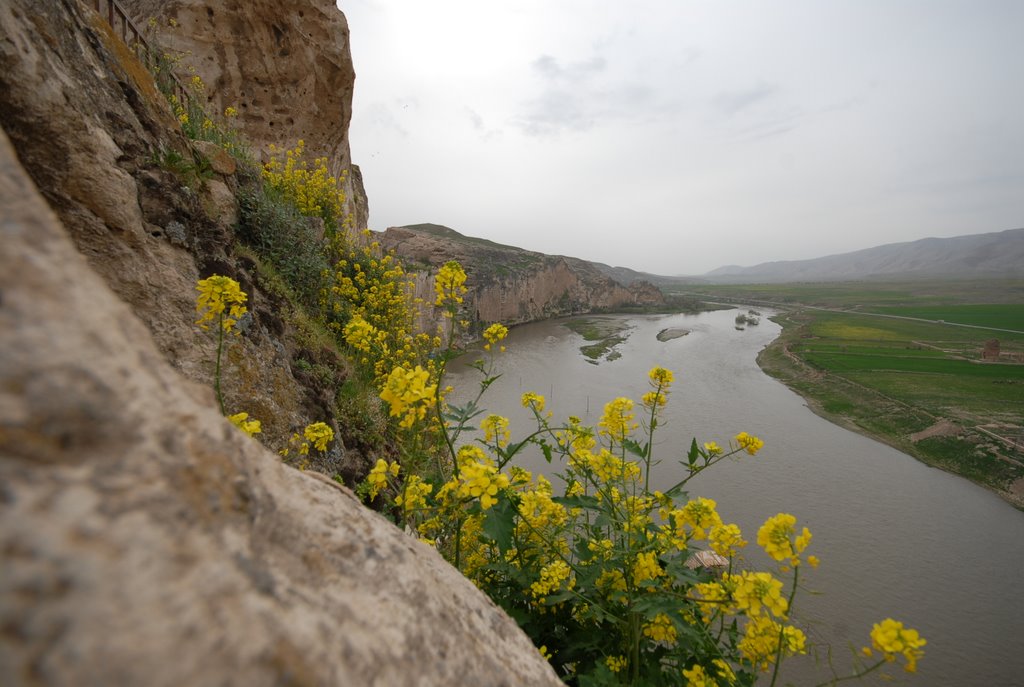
(700, 515)
(217, 294)
(712, 448)
(450, 284)
(697, 677)
(615, 663)
(478, 478)
(241, 421)
(660, 377)
(776, 538)
(378, 477)
(749, 443)
(495, 333)
(725, 540)
(496, 430)
(230, 112)
(661, 629)
(753, 591)
(760, 642)
(891, 638)
(553, 577)
(534, 401)
(414, 494)
(409, 394)
(319, 435)
(646, 567)
(617, 421)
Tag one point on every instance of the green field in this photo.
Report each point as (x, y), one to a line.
(1000, 316)
(897, 378)
(872, 295)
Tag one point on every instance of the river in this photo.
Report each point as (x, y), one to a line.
(896, 538)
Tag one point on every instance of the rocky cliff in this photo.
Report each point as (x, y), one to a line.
(92, 130)
(145, 540)
(512, 285)
(288, 72)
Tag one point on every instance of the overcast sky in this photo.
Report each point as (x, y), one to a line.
(676, 136)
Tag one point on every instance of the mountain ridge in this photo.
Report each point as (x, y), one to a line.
(988, 255)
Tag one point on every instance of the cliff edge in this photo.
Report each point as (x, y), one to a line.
(511, 285)
(145, 539)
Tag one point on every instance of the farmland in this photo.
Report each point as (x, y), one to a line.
(928, 385)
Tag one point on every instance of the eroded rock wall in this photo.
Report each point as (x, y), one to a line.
(513, 286)
(93, 132)
(285, 66)
(146, 541)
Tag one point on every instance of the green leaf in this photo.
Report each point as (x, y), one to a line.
(499, 523)
(559, 597)
(694, 453)
(582, 501)
(635, 448)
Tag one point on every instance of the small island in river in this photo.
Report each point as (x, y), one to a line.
(672, 333)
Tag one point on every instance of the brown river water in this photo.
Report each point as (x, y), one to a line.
(896, 538)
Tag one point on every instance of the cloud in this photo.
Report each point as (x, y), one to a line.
(475, 119)
(550, 68)
(383, 117)
(730, 103)
(577, 96)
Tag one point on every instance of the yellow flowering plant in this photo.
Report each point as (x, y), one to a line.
(306, 184)
(171, 71)
(618, 583)
(315, 436)
(221, 302)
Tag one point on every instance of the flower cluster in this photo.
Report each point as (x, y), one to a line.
(242, 421)
(617, 421)
(478, 478)
(449, 285)
(891, 638)
(496, 430)
(378, 477)
(603, 576)
(317, 435)
(221, 299)
(493, 334)
(309, 186)
(660, 380)
(372, 302)
(778, 538)
(408, 394)
(748, 443)
(765, 639)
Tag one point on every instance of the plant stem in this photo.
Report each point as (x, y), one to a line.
(782, 628)
(216, 372)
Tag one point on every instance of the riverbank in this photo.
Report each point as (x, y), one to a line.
(960, 448)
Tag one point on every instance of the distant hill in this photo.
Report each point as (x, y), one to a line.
(625, 275)
(512, 285)
(992, 255)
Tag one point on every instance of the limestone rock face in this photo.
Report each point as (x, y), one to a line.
(285, 66)
(93, 132)
(146, 541)
(511, 285)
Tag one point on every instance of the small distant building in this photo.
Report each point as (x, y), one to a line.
(991, 350)
(707, 560)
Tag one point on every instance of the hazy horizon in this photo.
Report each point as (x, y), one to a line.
(679, 137)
